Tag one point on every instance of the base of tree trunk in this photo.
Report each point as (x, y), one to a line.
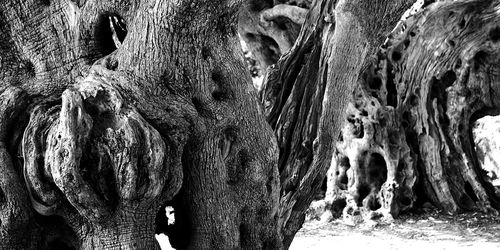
(407, 137)
(127, 231)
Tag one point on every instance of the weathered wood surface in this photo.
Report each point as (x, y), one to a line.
(132, 104)
(306, 93)
(269, 28)
(414, 109)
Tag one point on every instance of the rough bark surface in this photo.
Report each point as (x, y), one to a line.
(269, 28)
(306, 92)
(408, 132)
(17, 227)
(132, 105)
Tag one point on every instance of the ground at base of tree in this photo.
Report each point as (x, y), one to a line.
(427, 230)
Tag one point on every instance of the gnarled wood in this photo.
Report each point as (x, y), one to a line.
(17, 227)
(306, 93)
(97, 163)
(269, 29)
(124, 112)
(436, 74)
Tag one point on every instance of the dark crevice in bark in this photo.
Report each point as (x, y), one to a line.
(57, 234)
(110, 31)
(221, 92)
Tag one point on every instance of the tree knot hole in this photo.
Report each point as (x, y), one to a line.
(343, 167)
(479, 60)
(495, 34)
(110, 32)
(357, 126)
(2, 197)
(221, 91)
(396, 56)
(363, 191)
(375, 83)
(229, 136)
(462, 23)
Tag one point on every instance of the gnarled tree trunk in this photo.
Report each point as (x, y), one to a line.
(396, 143)
(408, 133)
(269, 29)
(111, 110)
(407, 137)
(306, 92)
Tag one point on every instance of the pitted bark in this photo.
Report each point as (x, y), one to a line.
(372, 168)
(436, 74)
(307, 92)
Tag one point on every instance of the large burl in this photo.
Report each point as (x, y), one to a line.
(94, 161)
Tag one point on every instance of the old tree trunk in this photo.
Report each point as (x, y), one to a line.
(408, 105)
(408, 132)
(112, 110)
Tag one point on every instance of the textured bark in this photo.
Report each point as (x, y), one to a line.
(412, 113)
(305, 94)
(132, 105)
(270, 28)
(17, 229)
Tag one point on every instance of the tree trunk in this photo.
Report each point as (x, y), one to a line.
(111, 111)
(132, 105)
(408, 133)
(306, 92)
